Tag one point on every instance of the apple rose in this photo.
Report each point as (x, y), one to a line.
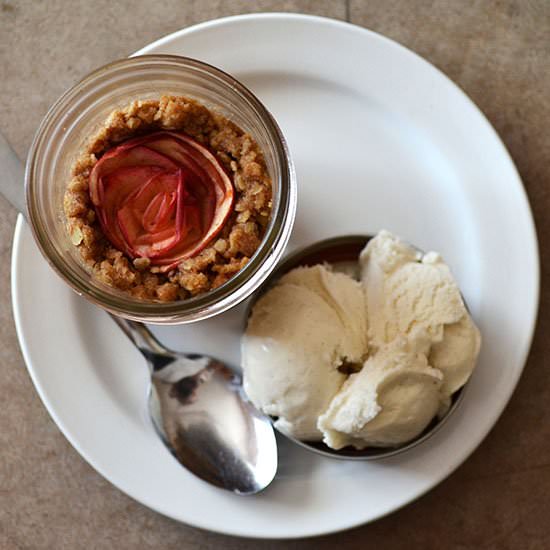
(163, 197)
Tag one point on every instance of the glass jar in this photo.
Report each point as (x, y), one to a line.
(78, 114)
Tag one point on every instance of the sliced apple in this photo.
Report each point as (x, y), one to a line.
(163, 197)
(126, 156)
(115, 188)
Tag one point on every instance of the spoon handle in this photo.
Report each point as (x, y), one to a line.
(13, 188)
(141, 337)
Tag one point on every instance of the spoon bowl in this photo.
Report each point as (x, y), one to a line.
(200, 412)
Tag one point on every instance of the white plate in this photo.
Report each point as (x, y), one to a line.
(381, 139)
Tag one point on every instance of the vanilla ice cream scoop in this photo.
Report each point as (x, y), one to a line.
(344, 295)
(297, 336)
(366, 363)
(408, 294)
(390, 401)
(414, 295)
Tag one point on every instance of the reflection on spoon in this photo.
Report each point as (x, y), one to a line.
(199, 410)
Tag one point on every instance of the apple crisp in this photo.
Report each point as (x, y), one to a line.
(174, 235)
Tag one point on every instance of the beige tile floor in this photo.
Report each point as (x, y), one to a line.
(499, 52)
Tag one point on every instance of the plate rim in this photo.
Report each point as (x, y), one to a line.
(534, 270)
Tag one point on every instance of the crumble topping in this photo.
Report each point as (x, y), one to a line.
(228, 252)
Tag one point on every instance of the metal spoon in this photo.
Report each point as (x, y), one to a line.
(196, 403)
(199, 410)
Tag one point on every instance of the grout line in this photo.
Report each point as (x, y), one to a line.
(348, 11)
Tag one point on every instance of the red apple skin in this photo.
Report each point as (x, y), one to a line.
(165, 170)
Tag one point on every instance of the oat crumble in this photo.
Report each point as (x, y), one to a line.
(230, 249)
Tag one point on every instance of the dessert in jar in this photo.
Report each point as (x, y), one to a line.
(168, 199)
